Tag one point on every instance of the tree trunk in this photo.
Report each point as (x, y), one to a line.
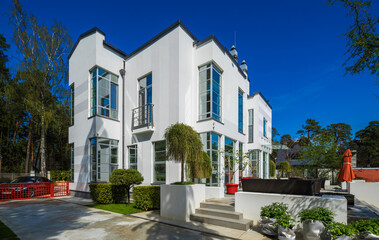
(128, 195)
(32, 155)
(182, 177)
(30, 136)
(43, 147)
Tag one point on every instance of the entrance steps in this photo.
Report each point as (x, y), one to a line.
(220, 212)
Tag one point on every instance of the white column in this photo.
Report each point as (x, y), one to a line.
(221, 166)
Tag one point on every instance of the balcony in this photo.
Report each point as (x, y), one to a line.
(142, 118)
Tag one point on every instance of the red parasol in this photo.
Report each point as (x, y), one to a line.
(346, 172)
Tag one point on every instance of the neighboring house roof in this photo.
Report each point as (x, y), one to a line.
(260, 94)
(156, 38)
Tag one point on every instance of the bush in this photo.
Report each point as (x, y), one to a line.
(126, 178)
(272, 168)
(147, 197)
(284, 167)
(338, 229)
(60, 175)
(367, 225)
(317, 214)
(278, 211)
(106, 193)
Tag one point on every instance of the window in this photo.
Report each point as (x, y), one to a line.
(104, 158)
(104, 91)
(72, 105)
(72, 161)
(254, 167)
(264, 127)
(211, 146)
(251, 125)
(133, 157)
(229, 152)
(240, 111)
(265, 165)
(145, 94)
(160, 161)
(209, 92)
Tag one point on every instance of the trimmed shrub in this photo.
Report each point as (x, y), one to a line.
(60, 175)
(284, 167)
(147, 197)
(272, 168)
(126, 178)
(106, 193)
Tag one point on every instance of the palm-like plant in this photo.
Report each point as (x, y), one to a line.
(183, 145)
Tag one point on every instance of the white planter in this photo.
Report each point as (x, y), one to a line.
(178, 202)
(214, 192)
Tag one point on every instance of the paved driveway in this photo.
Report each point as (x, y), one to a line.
(55, 219)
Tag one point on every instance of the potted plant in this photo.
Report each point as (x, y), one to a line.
(276, 220)
(341, 231)
(231, 161)
(368, 229)
(313, 222)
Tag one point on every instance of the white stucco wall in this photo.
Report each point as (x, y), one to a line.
(365, 191)
(250, 203)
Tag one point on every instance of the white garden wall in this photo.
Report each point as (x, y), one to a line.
(365, 191)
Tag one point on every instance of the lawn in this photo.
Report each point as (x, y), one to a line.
(6, 233)
(117, 208)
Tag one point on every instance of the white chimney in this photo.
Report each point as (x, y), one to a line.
(234, 53)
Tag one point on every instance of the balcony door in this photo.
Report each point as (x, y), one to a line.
(145, 99)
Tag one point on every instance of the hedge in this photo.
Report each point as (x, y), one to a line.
(106, 193)
(147, 197)
(60, 175)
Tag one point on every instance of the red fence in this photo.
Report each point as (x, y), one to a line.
(13, 191)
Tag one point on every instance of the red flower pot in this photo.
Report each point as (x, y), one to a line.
(249, 177)
(231, 188)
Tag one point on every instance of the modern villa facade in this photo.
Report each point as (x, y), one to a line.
(123, 103)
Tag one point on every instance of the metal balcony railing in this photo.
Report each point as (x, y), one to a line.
(142, 116)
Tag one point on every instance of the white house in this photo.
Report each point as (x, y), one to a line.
(123, 103)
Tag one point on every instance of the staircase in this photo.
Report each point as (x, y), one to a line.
(220, 212)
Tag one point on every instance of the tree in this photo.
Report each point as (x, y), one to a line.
(202, 169)
(342, 134)
(126, 178)
(183, 145)
(232, 160)
(272, 168)
(284, 167)
(367, 141)
(311, 128)
(362, 37)
(43, 67)
(292, 150)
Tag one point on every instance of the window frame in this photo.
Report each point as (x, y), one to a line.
(208, 148)
(250, 126)
(264, 127)
(159, 162)
(240, 110)
(133, 165)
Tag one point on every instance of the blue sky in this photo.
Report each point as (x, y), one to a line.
(294, 49)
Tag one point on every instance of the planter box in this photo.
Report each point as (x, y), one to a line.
(214, 192)
(178, 202)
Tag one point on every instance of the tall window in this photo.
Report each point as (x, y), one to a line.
(264, 127)
(240, 111)
(240, 149)
(265, 165)
(72, 161)
(104, 91)
(160, 161)
(145, 94)
(254, 158)
(210, 92)
(104, 158)
(133, 157)
(72, 94)
(229, 152)
(251, 125)
(211, 142)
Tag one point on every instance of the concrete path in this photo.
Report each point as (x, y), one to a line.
(64, 219)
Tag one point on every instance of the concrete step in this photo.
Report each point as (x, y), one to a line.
(219, 213)
(217, 206)
(242, 224)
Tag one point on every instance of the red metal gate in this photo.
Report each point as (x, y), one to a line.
(13, 191)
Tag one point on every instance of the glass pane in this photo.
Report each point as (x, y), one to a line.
(142, 83)
(113, 96)
(114, 78)
(160, 172)
(216, 76)
(114, 159)
(149, 97)
(160, 146)
(149, 80)
(160, 156)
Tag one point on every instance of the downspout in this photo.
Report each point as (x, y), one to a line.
(122, 72)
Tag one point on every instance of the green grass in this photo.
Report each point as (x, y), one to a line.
(118, 208)
(6, 233)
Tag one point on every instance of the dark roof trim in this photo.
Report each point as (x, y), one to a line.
(260, 94)
(162, 34)
(83, 35)
(224, 50)
(113, 48)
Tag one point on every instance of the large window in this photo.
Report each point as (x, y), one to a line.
(72, 105)
(133, 157)
(229, 154)
(104, 158)
(209, 92)
(104, 91)
(251, 125)
(254, 166)
(240, 111)
(211, 146)
(264, 127)
(145, 90)
(72, 161)
(160, 161)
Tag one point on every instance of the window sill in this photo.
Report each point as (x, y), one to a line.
(210, 119)
(242, 133)
(157, 183)
(116, 120)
